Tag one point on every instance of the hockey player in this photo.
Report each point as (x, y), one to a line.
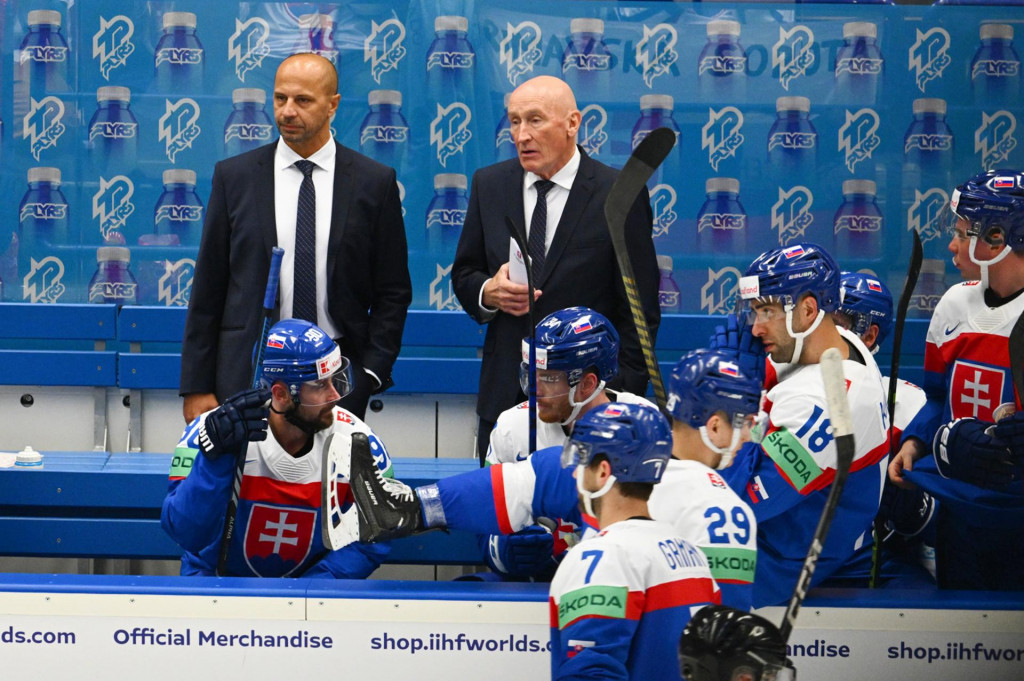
(787, 294)
(977, 441)
(278, 522)
(724, 644)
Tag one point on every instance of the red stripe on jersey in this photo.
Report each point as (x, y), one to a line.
(829, 475)
(771, 378)
(268, 490)
(552, 612)
(682, 592)
(498, 492)
(977, 347)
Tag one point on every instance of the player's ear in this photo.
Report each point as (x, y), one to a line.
(279, 393)
(870, 336)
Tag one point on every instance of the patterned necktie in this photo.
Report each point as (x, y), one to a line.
(538, 229)
(304, 274)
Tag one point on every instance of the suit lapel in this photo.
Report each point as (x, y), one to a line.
(339, 206)
(265, 207)
(575, 207)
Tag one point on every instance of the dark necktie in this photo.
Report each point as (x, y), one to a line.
(304, 274)
(538, 228)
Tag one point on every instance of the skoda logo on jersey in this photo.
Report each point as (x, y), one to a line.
(592, 135)
(929, 56)
(927, 215)
(277, 538)
(175, 284)
(449, 131)
(183, 213)
(718, 294)
(43, 282)
(44, 211)
(112, 204)
(663, 200)
(383, 47)
(721, 135)
(858, 137)
(247, 46)
(519, 49)
(43, 124)
(791, 214)
(442, 297)
(112, 44)
(792, 55)
(446, 217)
(655, 53)
(994, 140)
(179, 126)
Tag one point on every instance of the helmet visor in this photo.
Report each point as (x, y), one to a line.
(329, 389)
(549, 383)
(576, 453)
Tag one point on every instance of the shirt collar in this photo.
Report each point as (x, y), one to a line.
(565, 176)
(323, 157)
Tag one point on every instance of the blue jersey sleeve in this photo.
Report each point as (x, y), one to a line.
(355, 561)
(753, 475)
(592, 648)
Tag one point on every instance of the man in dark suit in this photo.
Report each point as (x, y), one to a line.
(350, 273)
(574, 262)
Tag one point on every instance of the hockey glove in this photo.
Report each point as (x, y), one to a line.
(967, 450)
(522, 554)
(231, 426)
(905, 511)
(740, 339)
(1011, 431)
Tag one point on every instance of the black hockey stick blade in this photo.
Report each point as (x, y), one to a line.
(1017, 357)
(646, 158)
(531, 394)
(842, 430)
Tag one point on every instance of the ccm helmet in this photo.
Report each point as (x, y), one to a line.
(300, 353)
(867, 301)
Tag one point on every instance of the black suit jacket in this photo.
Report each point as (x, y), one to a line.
(368, 284)
(580, 269)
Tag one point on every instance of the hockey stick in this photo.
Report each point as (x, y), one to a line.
(842, 430)
(269, 298)
(631, 179)
(531, 396)
(1017, 357)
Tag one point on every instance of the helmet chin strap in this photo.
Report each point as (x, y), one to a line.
(984, 264)
(589, 496)
(799, 347)
(725, 452)
(576, 406)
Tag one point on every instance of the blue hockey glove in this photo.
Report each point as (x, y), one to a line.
(967, 450)
(241, 419)
(740, 339)
(1011, 431)
(522, 554)
(905, 511)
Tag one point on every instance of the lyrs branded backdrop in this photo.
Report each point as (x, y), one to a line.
(843, 124)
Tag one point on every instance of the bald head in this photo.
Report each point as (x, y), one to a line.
(544, 121)
(305, 99)
(317, 67)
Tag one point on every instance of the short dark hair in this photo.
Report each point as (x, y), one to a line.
(630, 490)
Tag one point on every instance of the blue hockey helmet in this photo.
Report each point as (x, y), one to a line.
(635, 437)
(300, 353)
(721, 643)
(572, 340)
(991, 202)
(787, 273)
(704, 382)
(867, 301)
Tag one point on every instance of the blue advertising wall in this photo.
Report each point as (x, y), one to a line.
(720, 92)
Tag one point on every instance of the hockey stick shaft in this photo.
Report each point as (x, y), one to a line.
(639, 168)
(531, 395)
(842, 430)
(269, 298)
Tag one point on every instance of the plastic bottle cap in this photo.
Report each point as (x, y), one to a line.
(722, 184)
(586, 25)
(933, 266)
(665, 262)
(244, 95)
(793, 104)
(315, 21)
(451, 23)
(180, 176)
(1001, 31)
(859, 29)
(43, 174)
(29, 458)
(44, 16)
(930, 105)
(179, 19)
(657, 102)
(723, 27)
(378, 97)
(859, 187)
(115, 93)
(449, 181)
(115, 253)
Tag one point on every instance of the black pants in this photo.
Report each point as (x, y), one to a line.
(363, 385)
(483, 437)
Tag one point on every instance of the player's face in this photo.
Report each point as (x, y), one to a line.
(770, 327)
(543, 127)
(722, 436)
(553, 396)
(305, 102)
(959, 246)
(316, 403)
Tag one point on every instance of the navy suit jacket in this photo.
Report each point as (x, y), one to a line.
(368, 284)
(580, 269)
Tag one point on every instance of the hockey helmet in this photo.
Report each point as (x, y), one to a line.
(785, 274)
(707, 381)
(867, 301)
(300, 353)
(573, 340)
(635, 437)
(726, 644)
(992, 202)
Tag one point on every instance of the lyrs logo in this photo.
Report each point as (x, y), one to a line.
(179, 126)
(858, 137)
(994, 140)
(996, 68)
(450, 60)
(449, 131)
(441, 295)
(792, 141)
(179, 56)
(929, 56)
(43, 124)
(793, 54)
(655, 53)
(721, 135)
(446, 217)
(592, 135)
(928, 142)
(791, 214)
(730, 221)
(586, 62)
(112, 44)
(718, 294)
(112, 204)
(927, 215)
(113, 130)
(722, 65)
(175, 284)
(43, 282)
(42, 54)
(519, 50)
(857, 223)
(859, 66)
(247, 46)
(383, 48)
(182, 213)
(257, 133)
(663, 202)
